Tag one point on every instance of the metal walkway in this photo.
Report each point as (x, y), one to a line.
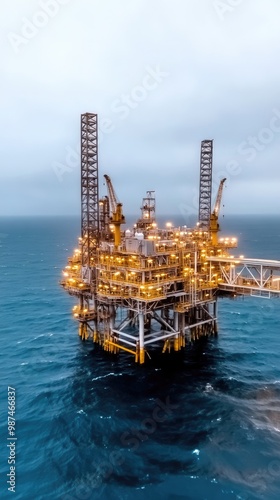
(255, 277)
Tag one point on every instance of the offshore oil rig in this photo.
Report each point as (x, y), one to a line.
(149, 287)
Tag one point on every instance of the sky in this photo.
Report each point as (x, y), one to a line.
(163, 75)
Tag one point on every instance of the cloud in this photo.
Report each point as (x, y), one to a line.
(222, 83)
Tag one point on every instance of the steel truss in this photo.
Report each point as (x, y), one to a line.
(205, 188)
(143, 327)
(257, 277)
(89, 188)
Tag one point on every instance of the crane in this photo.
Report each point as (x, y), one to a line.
(214, 225)
(116, 215)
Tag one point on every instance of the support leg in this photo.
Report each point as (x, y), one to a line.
(176, 327)
(141, 339)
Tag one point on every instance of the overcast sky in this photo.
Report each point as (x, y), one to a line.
(162, 75)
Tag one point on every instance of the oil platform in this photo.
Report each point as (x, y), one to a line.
(147, 286)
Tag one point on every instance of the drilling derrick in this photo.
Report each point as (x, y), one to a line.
(86, 279)
(151, 288)
(89, 189)
(147, 220)
(205, 185)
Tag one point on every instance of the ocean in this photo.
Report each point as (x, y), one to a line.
(202, 424)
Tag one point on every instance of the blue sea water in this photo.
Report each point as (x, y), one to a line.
(201, 425)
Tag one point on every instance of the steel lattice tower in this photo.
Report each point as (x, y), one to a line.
(205, 188)
(89, 188)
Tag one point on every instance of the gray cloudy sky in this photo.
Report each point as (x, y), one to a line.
(162, 76)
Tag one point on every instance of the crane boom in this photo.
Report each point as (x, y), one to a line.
(111, 193)
(214, 224)
(116, 215)
(217, 205)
